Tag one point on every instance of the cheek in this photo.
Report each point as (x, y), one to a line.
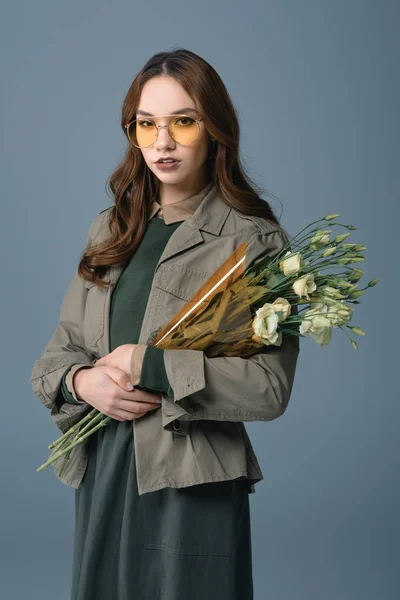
(146, 158)
(200, 151)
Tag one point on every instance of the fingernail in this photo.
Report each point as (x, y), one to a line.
(129, 386)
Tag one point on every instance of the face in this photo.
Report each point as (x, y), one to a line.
(163, 95)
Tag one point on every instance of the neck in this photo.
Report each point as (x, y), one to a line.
(170, 193)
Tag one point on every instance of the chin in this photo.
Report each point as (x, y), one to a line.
(173, 176)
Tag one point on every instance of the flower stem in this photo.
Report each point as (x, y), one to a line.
(72, 429)
(78, 440)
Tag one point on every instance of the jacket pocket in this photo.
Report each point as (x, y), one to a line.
(199, 520)
(175, 285)
(180, 281)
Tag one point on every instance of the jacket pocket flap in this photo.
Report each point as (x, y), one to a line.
(180, 281)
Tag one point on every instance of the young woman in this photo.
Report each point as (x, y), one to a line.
(162, 504)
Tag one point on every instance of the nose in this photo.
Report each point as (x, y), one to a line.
(164, 140)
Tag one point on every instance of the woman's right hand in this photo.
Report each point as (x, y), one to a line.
(106, 388)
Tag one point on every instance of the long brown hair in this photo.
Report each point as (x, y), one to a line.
(133, 184)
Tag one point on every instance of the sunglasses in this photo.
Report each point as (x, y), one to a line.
(142, 133)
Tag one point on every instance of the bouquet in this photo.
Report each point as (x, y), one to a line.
(240, 313)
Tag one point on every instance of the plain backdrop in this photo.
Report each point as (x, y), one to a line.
(316, 86)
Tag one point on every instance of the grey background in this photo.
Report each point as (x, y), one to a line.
(317, 91)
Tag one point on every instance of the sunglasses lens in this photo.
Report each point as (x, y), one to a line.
(184, 130)
(143, 133)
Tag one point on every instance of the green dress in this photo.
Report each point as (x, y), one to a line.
(171, 544)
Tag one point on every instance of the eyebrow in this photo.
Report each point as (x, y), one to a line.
(177, 112)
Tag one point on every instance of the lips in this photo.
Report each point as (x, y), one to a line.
(167, 160)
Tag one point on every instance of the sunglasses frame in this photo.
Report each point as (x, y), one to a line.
(161, 126)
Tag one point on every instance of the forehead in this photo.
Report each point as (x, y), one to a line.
(185, 110)
(164, 95)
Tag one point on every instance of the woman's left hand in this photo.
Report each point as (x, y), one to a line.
(120, 357)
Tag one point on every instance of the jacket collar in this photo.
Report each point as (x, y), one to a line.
(180, 210)
(209, 216)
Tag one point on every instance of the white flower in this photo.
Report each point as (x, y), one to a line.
(292, 264)
(339, 314)
(281, 305)
(305, 285)
(265, 325)
(316, 325)
(331, 292)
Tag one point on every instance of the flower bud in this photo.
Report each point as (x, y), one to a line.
(357, 330)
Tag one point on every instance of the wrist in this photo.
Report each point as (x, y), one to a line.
(77, 382)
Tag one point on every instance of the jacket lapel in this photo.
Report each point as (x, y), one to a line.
(209, 216)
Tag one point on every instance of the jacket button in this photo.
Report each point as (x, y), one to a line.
(176, 424)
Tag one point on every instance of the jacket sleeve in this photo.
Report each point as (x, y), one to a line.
(256, 388)
(65, 349)
(148, 369)
(67, 385)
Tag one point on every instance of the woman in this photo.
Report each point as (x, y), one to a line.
(162, 507)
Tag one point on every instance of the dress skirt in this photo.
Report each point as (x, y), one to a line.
(190, 543)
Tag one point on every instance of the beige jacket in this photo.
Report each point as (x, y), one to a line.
(197, 435)
(170, 213)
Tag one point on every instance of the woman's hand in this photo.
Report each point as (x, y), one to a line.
(120, 358)
(107, 389)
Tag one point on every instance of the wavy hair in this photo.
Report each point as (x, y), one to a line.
(133, 184)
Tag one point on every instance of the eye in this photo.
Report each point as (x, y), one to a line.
(145, 123)
(184, 120)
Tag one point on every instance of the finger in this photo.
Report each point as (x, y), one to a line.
(133, 407)
(118, 393)
(143, 396)
(122, 388)
(137, 396)
(123, 415)
(120, 377)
